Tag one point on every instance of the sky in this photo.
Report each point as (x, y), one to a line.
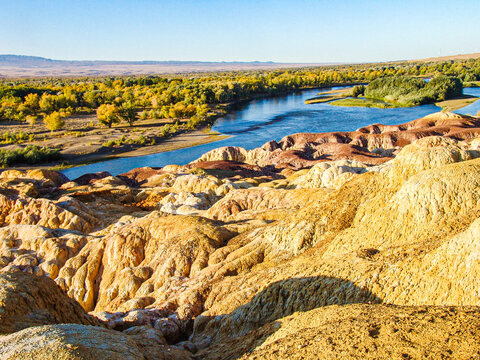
(301, 31)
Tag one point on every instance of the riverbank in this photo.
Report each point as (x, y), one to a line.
(83, 140)
(183, 140)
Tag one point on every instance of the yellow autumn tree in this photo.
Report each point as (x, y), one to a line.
(107, 114)
(53, 121)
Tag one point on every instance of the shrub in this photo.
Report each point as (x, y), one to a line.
(31, 154)
(120, 141)
(140, 140)
(165, 131)
(127, 112)
(193, 122)
(13, 138)
(109, 143)
(393, 87)
(445, 87)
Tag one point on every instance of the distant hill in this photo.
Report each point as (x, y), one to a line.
(22, 60)
(450, 57)
(34, 66)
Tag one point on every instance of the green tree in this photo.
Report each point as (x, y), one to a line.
(127, 112)
(107, 114)
(53, 121)
(358, 90)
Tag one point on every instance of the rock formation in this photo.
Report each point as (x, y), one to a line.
(371, 145)
(360, 332)
(28, 300)
(80, 342)
(255, 254)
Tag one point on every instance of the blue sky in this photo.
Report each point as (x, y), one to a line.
(283, 31)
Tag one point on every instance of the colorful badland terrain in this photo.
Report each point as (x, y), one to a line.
(337, 245)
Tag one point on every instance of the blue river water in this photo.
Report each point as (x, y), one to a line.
(259, 121)
(472, 109)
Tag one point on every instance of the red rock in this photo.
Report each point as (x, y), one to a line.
(87, 178)
(138, 176)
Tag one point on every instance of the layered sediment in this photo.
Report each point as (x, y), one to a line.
(256, 254)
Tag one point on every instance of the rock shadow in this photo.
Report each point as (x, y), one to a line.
(276, 301)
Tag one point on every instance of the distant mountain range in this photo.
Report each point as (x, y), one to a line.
(34, 66)
(24, 60)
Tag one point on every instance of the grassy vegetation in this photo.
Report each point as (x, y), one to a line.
(363, 103)
(30, 154)
(139, 140)
(15, 137)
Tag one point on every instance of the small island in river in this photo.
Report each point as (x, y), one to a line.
(401, 91)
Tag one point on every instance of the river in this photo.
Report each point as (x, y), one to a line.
(259, 121)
